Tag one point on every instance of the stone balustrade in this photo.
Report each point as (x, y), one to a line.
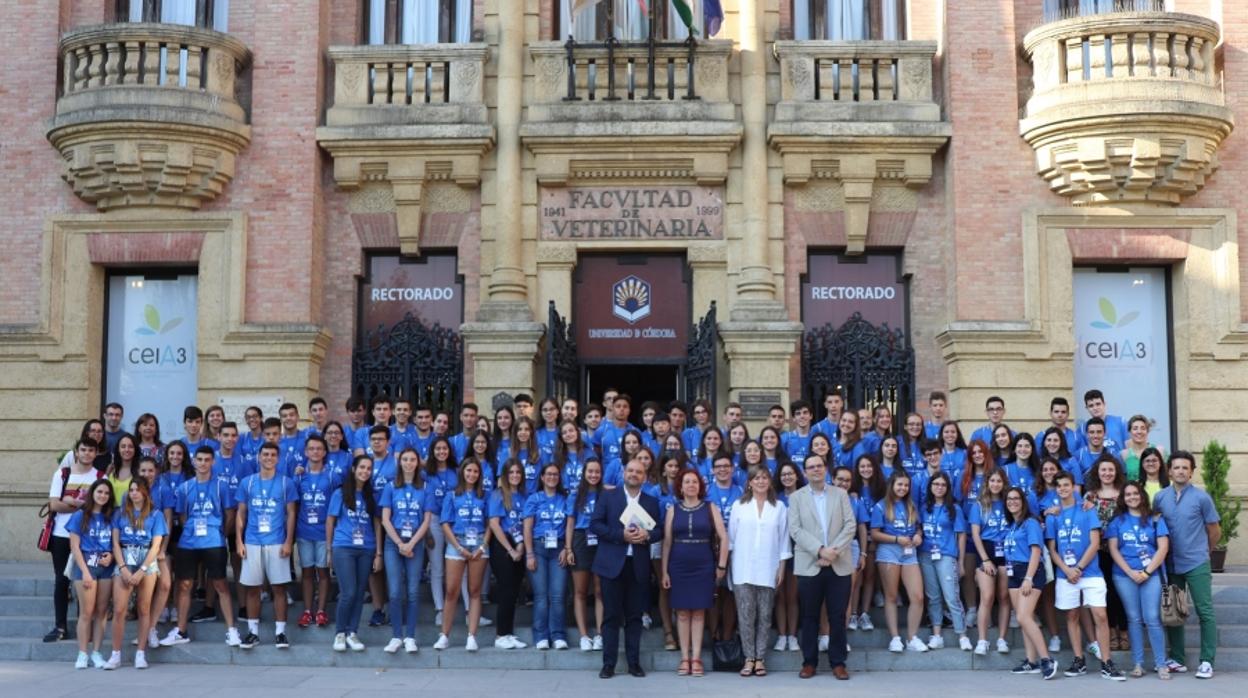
(408, 84)
(148, 113)
(856, 81)
(1126, 106)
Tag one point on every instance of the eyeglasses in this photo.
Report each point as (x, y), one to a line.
(1013, 499)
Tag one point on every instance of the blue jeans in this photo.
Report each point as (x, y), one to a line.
(940, 580)
(352, 566)
(1142, 602)
(549, 581)
(403, 585)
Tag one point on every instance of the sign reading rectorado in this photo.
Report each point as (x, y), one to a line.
(640, 213)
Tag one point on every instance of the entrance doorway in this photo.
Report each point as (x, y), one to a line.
(642, 382)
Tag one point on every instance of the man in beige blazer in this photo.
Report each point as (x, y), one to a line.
(822, 524)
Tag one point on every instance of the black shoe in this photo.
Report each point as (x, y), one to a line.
(55, 635)
(204, 615)
(1078, 667)
(1026, 667)
(250, 640)
(1111, 672)
(242, 615)
(636, 670)
(281, 641)
(378, 619)
(200, 594)
(1048, 668)
(607, 672)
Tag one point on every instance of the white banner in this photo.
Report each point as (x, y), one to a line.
(152, 363)
(1122, 344)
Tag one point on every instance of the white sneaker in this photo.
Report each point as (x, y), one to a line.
(1094, 649)
(1002, 646)
(981, 648)
(1055, 644)
(471, 643)
(232, 639)
(864, 622)
(853, 623)
(823, 643)
(561, 644)
(517, 643)
(793, 646)
(340, 642)
(82, 662)
(482, 621)
(972, 616)
(782, 643)
(153, 638)
(895, 645)
(134, 642)
(503, 642)
(140, 660)
(442, 643)
(936, 642)
(542, 645)
(1013, 619)
(879, 600)
(114, 661)
(409, 645)
(597, 643)
(353, 641)
(97, 660)
(1204, 671)
(916, 645)
(587, 645)
(393, 646)
(646, 621)
(964, 643)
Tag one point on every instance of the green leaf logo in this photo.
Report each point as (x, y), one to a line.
(152, 325)
(1109, 316)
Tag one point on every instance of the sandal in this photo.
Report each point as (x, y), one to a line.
(669, 643)
(759, 668)
(683, 668)
(696, 668)
(747, 669)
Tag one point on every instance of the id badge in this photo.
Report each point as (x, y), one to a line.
(591, 539)
(518, 537)
(1144, 558)
(357, 538)
(552, 539)
(201, 528)
(907, 551)
(1069, 558)
(264, 523)
(132, 556)
(999, 553)
(1009, 570)
(406, 532)
(93, 560)
(935, 555)
(313, 518)
(471, 538)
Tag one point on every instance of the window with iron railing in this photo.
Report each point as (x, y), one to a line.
(627, 20)
(849, 20)
(208, 14)
(418, 22)
(1065, 9)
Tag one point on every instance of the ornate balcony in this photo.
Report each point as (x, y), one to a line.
(1127, 107)
(859, 114)
(147, 114)
(407, 115)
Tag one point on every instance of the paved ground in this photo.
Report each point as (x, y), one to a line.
(49, 680)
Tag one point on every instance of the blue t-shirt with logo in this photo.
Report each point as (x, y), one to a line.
(266, 502)
(98, 537)
(1071, 530)
(547, 437)
(549, 512)
(465, 512)
(437, 486)
(587, 509)
(723, 497)
(353, 528)
(1137, 539)
(797, 445)
(1018, 539)
(142, 534)
(204, 505)
(511, 520)
(992, 520)
(404, 438)
(315, 490)
(408, 506)
(573, 468)
(232, 470)
(940, 529)
(609, 437)
(894, 523)
(1020, 475)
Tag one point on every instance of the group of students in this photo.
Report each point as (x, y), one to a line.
(1007, 521)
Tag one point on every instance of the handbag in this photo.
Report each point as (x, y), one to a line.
(49, 518)
(727, 655)
(1176, 604)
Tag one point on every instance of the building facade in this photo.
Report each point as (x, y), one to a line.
(235, 202)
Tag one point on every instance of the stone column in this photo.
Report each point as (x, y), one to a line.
(758, 337)
(502, 343)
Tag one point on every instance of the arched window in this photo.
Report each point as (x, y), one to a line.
(418, 22)
(209, 14)
(1062, 9)
(848, 20)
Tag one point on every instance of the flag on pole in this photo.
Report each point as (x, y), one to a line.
(578, 5)
(686, 15)
(712, 16)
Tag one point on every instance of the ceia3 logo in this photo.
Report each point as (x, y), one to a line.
(1120, 346)
(631, 299)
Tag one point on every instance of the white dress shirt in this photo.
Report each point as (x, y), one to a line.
(759, 541)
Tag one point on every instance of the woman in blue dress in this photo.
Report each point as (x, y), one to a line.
(692, 527)
(671, 462)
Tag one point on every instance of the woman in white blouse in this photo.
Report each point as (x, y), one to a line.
(758, 531)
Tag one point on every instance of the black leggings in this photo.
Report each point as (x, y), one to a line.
(59, 547)
(510, 578)
(1113, 603)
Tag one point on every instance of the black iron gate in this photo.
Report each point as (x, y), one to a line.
(413, 360)
(563, 373)
(703, 355)
(867, 364)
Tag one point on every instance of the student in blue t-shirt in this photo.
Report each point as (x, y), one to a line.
(265, 537)
(608, 437)
(988, 521)
(91, 567)
(1053, 444)
(1138, 543)
(528, 452)
(994, 408)
(440, 478)
(139, 531)
(1024, 543)
(467, 536)
(868, 486)
(353, 537)
(405, 520)
(952, 452)
(1116, 433)
(337, 452)
(1074, 539)
(898, 533)
(910, 446)
(692, 435)
(506, 512)
(315, 485)
(944, 539)
(571, 453)
(544, 513)
(482, 451)
(850, 448)
(291, 441)
(193, 425)
(579, 546)
(796, 442)
(1023, 466)
(403, 432)
(1087, 456)
(548, 433)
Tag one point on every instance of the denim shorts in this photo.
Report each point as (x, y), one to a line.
(311, 553)
(1018, 569)
(453, 554)
(854, 549)
(97, 572)
(893, 554)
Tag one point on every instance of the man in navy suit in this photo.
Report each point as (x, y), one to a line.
(622, 564)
